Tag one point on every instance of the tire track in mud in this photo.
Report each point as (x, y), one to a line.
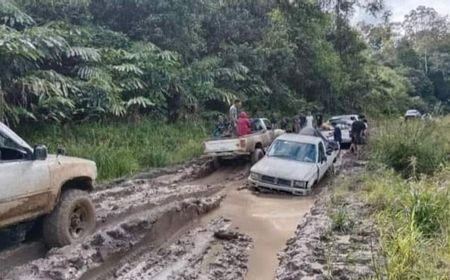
(119, 209)
(173, 227)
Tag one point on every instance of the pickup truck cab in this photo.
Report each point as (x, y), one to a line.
(54, 187)
(294, 163)
(251, 145)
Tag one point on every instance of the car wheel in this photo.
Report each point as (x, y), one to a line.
(257, 155)
(71, 220)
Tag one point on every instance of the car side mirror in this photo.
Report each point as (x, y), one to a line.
(329, 152)
(40, 152)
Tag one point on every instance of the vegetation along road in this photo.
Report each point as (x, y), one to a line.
(136, 87)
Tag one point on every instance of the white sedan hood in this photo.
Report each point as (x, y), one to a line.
(285, 169)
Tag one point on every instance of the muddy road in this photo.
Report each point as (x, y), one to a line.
(191, 222)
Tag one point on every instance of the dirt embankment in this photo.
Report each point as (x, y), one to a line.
(336, 239)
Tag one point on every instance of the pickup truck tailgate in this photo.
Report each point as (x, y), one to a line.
(224, 145)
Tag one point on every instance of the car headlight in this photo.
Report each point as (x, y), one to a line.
(255, 176)
(301, 184)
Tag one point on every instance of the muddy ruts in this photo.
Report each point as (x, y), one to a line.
(105, 248)
(196, 254)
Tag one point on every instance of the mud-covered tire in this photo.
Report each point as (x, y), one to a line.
(256, 156)
(72, 219)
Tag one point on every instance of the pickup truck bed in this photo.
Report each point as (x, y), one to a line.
(252, 145)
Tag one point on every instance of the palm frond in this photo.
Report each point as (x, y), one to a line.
(12, 16)
(128, 68)
(86, 54)
(139, 101)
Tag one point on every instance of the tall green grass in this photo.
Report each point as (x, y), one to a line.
(413, 215)
(411, 148)
(121, 148)
(413, 218)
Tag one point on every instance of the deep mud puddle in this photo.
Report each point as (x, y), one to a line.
(270, 220)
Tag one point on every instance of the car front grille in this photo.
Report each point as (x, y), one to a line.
(268, 179)
(283, 182)
(276, 181)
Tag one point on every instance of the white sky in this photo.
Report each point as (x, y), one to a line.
(402, 7)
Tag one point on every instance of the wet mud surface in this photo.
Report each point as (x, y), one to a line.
(186, 222)
(322, 248)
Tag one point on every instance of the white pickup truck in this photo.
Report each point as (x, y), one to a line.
(34, 185)
(252, 145)
(294, 163)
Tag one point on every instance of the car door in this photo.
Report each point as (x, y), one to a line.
(24, 187)
(322, 160)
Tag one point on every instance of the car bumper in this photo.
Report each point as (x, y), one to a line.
(292, 190)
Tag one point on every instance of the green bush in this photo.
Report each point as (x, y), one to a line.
(411, 148)
(121, 148)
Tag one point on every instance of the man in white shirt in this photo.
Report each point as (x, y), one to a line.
(234, 113)
(309, 120)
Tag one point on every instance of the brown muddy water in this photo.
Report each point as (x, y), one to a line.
(269, 219)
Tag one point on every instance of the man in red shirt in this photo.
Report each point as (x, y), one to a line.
(243, 124)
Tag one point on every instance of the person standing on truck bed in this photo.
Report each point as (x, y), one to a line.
(234, 113)
(243, 125)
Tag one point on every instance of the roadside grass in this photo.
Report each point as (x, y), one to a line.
(341, 221)
(411, 148)
(407, 190)
(413, 218)
(121, 148)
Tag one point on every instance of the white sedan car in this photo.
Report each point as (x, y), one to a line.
(294, 163)
(413, 114)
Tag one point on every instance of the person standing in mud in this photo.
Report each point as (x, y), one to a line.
(337, 133)
(234, 113)
(357, 131)
(284, 123)
(296, 124)
(302, 120)
(309, 120)
(319, 120)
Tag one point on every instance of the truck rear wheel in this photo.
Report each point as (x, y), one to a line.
(216, 163)
(257, 155)
(71, 220)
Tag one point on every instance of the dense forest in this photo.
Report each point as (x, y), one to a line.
(77, 60)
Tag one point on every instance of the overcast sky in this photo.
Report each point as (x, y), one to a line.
(402, 7)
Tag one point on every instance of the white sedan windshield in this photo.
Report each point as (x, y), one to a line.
(294, 151)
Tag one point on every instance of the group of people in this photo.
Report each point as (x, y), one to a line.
(358, 133)
(300, 121)
(237, 125)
